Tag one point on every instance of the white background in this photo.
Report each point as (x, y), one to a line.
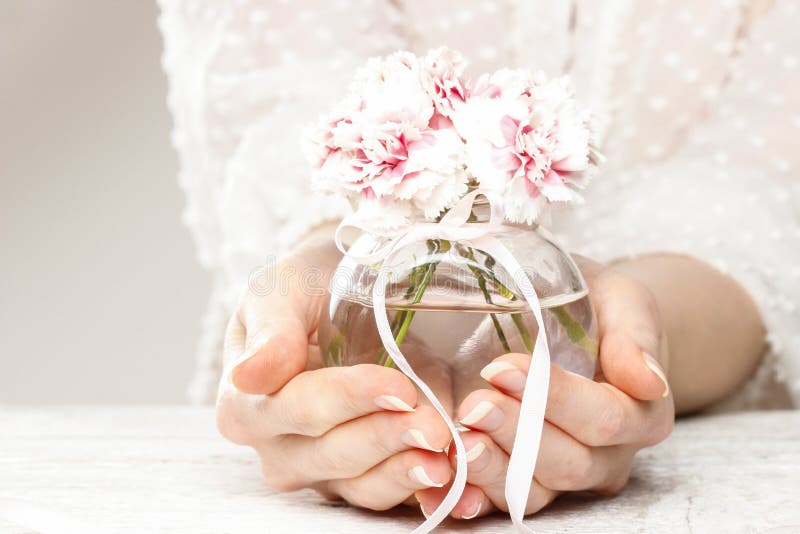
(100, 294)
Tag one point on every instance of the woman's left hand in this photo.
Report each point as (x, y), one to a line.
(593, 428)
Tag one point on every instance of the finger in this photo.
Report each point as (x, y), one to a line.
(235, 339)
(276, 351)
(394, 480)
(316, 401)
(487, 465)
(352, 448)
(628, 325)
(629, 368)
(563, 463)
(508, 373)
(599, 414)
(595, 414)
(492, 413)
(277, 325)
(473, 502)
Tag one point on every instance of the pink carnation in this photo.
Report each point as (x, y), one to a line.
(385, 144)
(442, 71)
(411, 137)
(526, 139)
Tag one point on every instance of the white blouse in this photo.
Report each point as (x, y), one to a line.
(698, 106)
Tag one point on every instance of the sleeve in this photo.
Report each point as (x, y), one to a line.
(244, 79)
(730, 194)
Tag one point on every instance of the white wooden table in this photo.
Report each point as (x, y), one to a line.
(164, 469)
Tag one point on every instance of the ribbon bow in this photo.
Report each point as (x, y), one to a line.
(454, 226)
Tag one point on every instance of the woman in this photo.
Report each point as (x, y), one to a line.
(692, 230)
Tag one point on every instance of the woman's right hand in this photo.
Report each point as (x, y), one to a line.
(351, 432)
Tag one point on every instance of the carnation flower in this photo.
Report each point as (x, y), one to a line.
(506, 84)
(442, 71)
(412, 136)
(525, 139)
(390, 90)
(384, 145)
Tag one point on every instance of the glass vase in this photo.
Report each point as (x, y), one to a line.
(453, 309)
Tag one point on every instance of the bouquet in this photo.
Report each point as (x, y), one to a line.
(465, 169)
(413, 137)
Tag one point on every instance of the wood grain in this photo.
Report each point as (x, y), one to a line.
(165, 469)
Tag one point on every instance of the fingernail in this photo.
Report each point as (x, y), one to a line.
(475, 513)
(395, 404)
(418, 473)
(475, 452)
(485, 416)
(252, 348)
(505, 375)
(478, 458)
(416, 438)
(651, 362)
(422, 509)
(234, 366)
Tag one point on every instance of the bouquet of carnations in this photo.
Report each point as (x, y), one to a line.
(448, 180)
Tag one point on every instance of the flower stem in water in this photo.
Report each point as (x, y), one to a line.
(574, 329)
(469, 254)
(500, 334)
(402, 321)
(523, 331)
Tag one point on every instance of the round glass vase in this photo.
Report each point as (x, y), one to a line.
(453, 309)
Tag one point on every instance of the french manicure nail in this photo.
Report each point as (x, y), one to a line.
(656, 368)
(416, 438)
(422, 509)
(505, 375)
(475, 513)
(485, 416)
(475, 451)
(395, 404)
(252, 348)
(235, 364)
(418, 473)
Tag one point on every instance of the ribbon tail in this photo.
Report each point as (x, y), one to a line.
(534, 399)
(528, 437)
(385, 332)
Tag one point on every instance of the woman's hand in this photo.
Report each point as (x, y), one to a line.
(592, 428)
(350, 432)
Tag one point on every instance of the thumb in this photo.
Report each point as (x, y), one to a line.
(631, 369)
(276, 331)
(276, 352)
(630, 338)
